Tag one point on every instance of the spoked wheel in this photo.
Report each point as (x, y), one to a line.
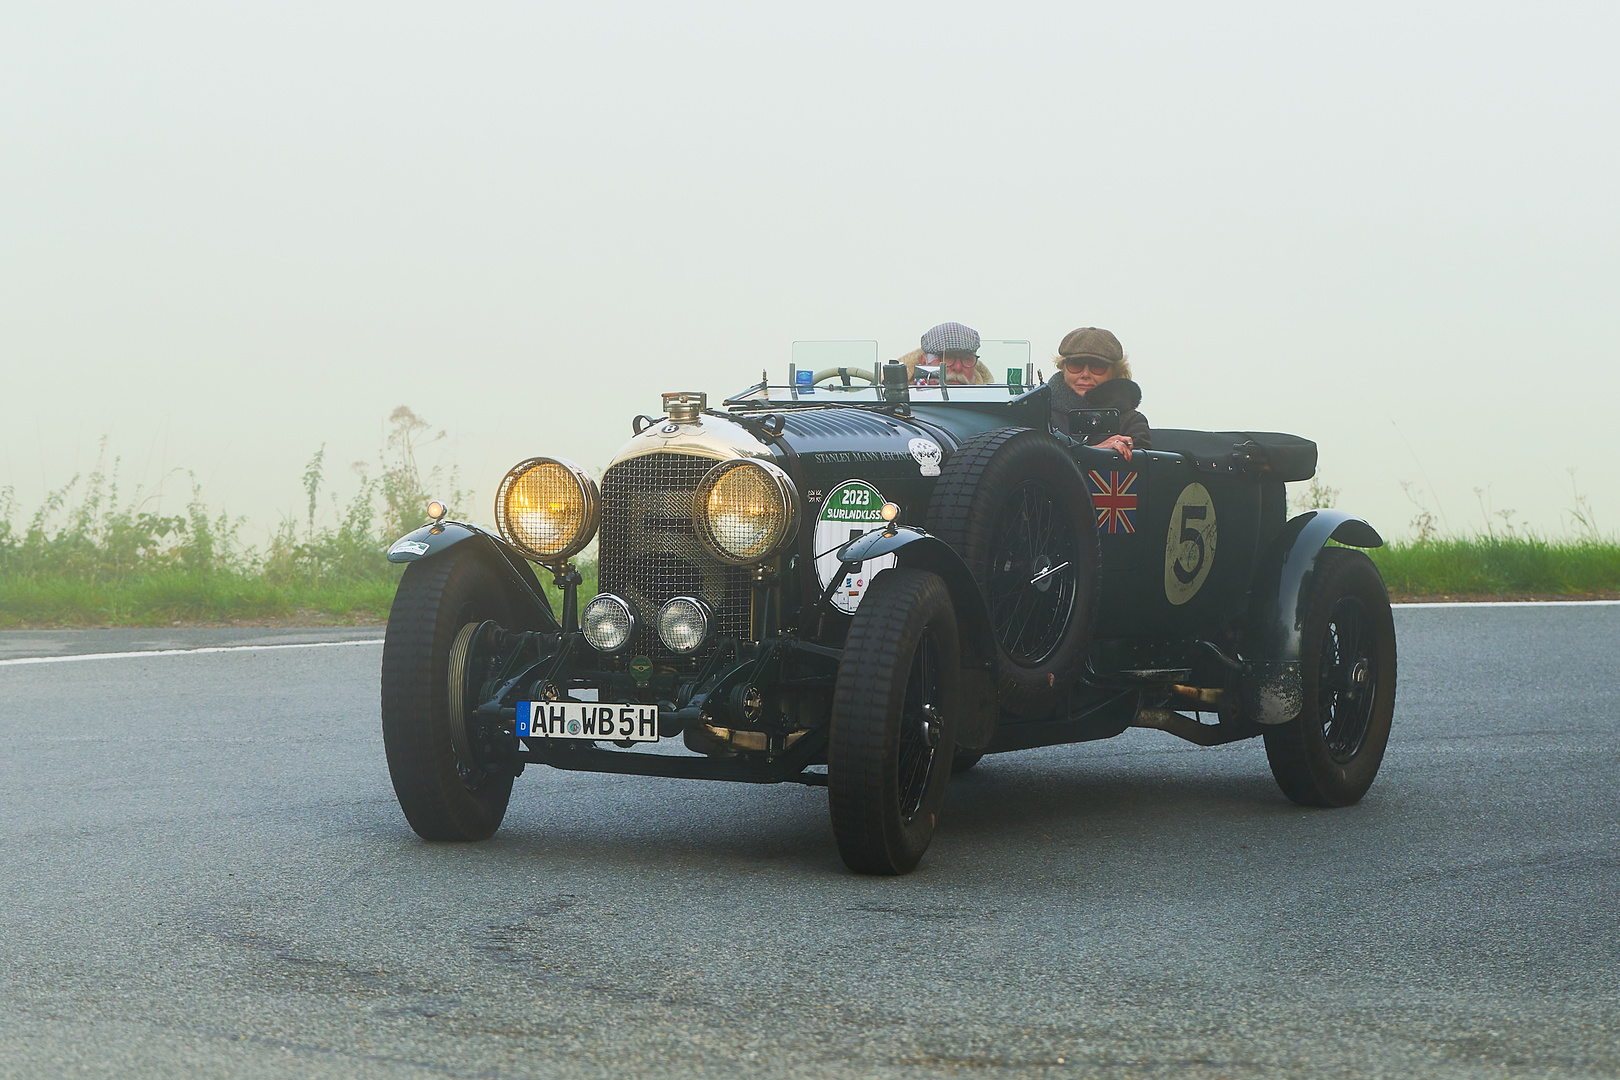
(1330, 755)
(1015, 507)
(1031, 584)
(442, 606)
(894, 722)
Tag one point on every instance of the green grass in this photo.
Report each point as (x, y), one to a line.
(162, 596)
(1500, 566)
(90, 556)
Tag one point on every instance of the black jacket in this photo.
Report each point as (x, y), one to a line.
(1121, 394)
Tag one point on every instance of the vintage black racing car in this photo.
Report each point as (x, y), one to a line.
(869, 585)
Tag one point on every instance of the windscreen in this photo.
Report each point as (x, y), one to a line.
(1003, 354)
(819, 356)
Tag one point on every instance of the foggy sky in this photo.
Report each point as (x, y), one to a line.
(230, 234)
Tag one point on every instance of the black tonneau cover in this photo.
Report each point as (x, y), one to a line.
(1278, 456)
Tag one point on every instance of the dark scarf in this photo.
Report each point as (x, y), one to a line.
(1121, 394)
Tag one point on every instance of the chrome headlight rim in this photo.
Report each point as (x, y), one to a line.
(779, 482)
(704, 611)
(625, 608)
(589, 493)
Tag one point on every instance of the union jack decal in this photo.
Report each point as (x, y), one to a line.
(1114, 496)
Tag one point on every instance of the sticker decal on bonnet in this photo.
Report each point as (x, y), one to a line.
(927, 454)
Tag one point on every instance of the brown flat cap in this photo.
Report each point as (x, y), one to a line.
(1093, 344)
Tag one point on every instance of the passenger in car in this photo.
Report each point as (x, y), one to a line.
(953, 347)
(1093, 373)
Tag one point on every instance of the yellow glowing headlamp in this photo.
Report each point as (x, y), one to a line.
(745, 510)
(548, 508)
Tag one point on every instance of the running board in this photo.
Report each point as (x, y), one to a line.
(1185, 727)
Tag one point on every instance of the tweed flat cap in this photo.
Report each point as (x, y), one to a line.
(1093, 344)
(950, 337)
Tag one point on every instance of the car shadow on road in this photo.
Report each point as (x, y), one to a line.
(1008, 793)
(1005, 803)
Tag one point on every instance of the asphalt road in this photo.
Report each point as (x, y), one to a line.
(203, 872)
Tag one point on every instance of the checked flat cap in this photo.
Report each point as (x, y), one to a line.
(950, 337)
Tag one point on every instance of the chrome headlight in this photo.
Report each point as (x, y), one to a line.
(745, 510)
(683, 624)
(548, 508)
(608, 623)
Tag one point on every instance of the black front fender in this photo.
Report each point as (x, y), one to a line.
(1272, 645)
(916, 549)
(433, 540)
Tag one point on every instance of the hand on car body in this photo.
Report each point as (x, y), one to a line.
(1094, 373)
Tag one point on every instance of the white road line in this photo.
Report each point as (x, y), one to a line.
(1512, 603)
(184, 652)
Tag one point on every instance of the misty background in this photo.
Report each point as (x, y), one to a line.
(230, 234)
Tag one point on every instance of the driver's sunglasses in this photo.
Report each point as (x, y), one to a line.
(1077, 365)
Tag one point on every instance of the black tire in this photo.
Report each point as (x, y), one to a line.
(963, 761)
(1330, 754)
(1012, 503)
(894, 722)
(444, 797)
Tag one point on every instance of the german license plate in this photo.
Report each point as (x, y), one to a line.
(587, 720)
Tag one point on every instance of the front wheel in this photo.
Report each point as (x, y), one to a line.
(1329, 755)
(440, 605)
(894, 722)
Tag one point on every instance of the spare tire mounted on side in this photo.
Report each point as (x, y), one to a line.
(1014, 505)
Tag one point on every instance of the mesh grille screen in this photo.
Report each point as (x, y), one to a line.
(648, 551)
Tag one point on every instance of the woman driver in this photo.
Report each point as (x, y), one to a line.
(1094, 374)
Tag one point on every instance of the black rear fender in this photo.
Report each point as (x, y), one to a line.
(1272, 641)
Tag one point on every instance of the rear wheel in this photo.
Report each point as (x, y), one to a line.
(1015, 507)
(894, 722)
(441, 602)
(1330, 754)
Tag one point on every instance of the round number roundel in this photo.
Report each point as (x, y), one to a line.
(1189, 549)
(849, 510)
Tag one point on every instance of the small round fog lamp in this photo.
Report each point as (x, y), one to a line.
(436, 510)
(683, 624)
(890, 511)
(608, 623)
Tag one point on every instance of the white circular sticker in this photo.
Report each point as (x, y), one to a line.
(851, 509)
(927, 453)
(1189, 549)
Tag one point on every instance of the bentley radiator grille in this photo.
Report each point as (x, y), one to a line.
(648, 551)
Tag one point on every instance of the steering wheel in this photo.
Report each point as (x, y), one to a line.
(844, 374)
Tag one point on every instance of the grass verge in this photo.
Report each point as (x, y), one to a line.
(1500, 566)
(1472, 567)
(164, 596)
